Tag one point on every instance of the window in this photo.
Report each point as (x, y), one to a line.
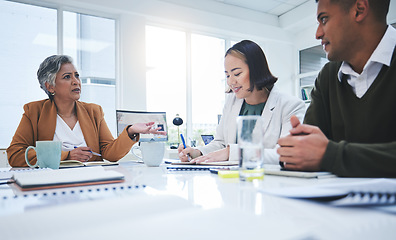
(185, 76)
(29, 36)
(311, 61)
(166, 76)
(90, 41)
(32, 35)
(208, 84)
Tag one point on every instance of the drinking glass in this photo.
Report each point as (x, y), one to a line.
(250, 147)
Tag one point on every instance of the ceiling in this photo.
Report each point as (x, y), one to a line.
(273, 7)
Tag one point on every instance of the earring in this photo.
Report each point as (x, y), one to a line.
(53, 93)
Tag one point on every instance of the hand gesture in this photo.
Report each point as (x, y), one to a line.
(145, 128)
(304, 148)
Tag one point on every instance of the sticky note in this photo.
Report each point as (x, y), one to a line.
(228, 174)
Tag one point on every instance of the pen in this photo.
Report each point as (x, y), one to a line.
(94, 153)
(184, 144)
(8, 182)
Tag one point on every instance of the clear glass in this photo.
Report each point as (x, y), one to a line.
(250, 147)
(166, 76)
(28, 37)
(90, 41)
(208, 84)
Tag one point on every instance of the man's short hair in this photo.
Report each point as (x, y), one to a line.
(380, 8)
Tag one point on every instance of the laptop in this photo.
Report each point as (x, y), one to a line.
(207, 138)
(125, 118)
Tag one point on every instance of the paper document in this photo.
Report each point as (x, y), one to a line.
(366, 192)
(270, 169)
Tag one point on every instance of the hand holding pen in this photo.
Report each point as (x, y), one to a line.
(82, 154)
(181, 155)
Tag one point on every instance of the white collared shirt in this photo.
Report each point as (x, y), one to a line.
(382, 55)
(70, 138)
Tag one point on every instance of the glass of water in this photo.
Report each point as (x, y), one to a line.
(250, 147)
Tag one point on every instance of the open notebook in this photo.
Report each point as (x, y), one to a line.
(76, 163)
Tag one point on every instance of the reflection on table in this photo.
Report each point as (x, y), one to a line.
(154, 203)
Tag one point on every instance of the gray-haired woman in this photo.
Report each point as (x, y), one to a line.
(78, 125)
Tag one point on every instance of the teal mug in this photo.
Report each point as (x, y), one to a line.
(48, 154)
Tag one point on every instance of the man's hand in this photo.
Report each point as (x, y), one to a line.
(304, 148)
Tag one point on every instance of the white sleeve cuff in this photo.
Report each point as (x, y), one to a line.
(233, 152)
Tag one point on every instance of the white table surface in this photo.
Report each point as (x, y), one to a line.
(184, 205)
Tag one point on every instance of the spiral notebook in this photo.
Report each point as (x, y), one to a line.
(70, 177)
(371, 192)
(13, 202)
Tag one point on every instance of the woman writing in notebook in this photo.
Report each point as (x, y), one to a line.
(251, 92)
(78, 125)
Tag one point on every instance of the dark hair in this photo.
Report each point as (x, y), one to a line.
(260, 75)
(380, 8)
(49, 68)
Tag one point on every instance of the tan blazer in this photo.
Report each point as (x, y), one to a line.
(38, 124)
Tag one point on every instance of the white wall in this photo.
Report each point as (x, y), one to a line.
(304, 26)
(132, 85)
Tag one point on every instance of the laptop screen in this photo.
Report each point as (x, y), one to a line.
(207, 138)
(125, 118)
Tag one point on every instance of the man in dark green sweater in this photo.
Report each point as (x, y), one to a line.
(350, 127)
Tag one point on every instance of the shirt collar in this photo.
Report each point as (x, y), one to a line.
(381, 54)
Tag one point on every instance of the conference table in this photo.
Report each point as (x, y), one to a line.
(156, 203)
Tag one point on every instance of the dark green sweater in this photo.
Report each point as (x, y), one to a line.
(362, 131)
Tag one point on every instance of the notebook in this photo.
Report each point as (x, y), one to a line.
(341, 193)
(66, 178)
(277, 171)
(221, 163)
(76, 163)
(204, 166)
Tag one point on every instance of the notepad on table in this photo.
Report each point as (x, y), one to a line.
(76, 163)
(204, 166)
(221, 163)
(272, 169)
(340, 193)
(66, 178)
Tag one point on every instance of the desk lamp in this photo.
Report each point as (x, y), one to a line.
(177, 121)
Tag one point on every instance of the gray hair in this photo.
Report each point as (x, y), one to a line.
(48, 70)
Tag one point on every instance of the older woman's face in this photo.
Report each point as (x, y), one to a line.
(67, 83)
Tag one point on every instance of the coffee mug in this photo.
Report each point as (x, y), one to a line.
(48, 154)
(152, 153)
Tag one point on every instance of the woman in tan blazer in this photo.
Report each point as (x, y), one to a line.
(62, 113)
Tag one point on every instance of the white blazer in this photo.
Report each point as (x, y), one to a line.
(276, 115)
